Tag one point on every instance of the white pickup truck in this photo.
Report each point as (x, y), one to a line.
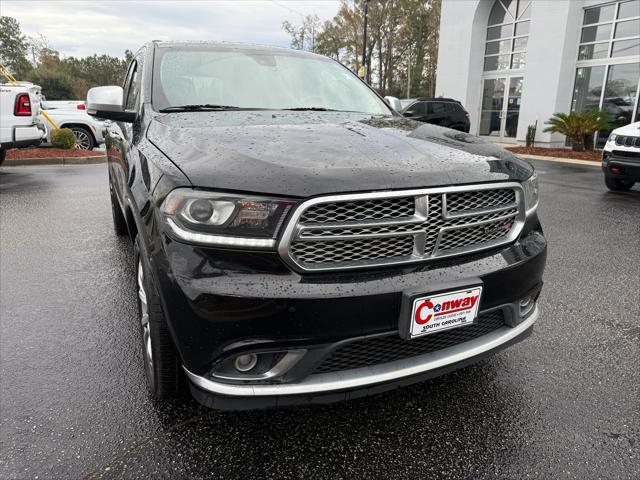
(72, 114)
(20, 125)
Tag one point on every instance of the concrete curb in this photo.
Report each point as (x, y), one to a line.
(574, 161)
(24, 162)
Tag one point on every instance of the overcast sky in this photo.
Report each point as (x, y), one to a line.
(82, 28)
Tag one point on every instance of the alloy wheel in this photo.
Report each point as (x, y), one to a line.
(83, 142)
(144, 322)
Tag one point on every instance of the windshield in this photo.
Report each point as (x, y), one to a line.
(260, 79)
(405, 103)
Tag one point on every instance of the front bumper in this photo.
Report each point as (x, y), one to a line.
(223, 303)
(362, 381)
(625, 167)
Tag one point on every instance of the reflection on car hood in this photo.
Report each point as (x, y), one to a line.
(311, 153)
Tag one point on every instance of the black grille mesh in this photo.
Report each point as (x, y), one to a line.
(377, 350)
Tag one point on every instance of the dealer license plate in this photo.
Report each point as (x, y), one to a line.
(443, 311)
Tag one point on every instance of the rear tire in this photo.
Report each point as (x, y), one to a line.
(162, 365)
(84, 138)
(119, 222)
(618, 185)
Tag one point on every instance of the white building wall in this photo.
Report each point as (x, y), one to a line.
(550, 66)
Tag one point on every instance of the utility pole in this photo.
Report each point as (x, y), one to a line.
(364, 40)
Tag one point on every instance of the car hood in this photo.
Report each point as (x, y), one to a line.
(311, 153)
(633, 130)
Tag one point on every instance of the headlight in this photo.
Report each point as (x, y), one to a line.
(224, 219)
(530, 187)
(612, 137)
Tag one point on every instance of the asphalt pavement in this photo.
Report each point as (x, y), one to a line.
(563, 404)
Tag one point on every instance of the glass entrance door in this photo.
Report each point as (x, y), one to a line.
(501, 100)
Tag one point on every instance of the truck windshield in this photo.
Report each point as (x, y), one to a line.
(250, 78)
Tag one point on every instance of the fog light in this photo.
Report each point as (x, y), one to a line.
(615, 169)
(526, 305)
(244, 363)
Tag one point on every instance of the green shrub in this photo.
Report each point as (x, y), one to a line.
(531, 135)
(63, 138)
(578, 126)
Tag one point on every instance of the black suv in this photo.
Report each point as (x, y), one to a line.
(445, 112)
(298, 241)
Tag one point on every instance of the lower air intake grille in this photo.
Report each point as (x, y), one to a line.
(377, 350)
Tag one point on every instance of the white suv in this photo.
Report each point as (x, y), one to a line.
(621, 158)
(19, 122)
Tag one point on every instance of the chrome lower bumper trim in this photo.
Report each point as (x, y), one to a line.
(364, 377)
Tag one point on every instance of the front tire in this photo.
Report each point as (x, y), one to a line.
(119, 222)
(3, 154)
(163, 369)
(84, 138)
(617, 185)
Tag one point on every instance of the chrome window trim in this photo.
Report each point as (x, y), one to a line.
(366, 376)
(293, 229)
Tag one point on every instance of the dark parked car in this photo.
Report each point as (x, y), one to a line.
(445, 112)
(298, 241)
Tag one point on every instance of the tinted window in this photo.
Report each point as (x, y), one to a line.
(418, 108)
(436, 107)
(134, 88)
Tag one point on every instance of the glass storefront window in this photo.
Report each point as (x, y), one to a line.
(502, 46)
(505, 29)
(629, 9)
(520, 44)
(625, 48)
(593, 51)
(596, 34)
(496, 62)
(522, 28)
(599, 14)
(518, 60)
(495, 33)
(630, 28)
(618, 99)
(588, 88)
(598, 24)
(620, 93)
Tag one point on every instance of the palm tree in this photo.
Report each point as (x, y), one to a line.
(578, 126)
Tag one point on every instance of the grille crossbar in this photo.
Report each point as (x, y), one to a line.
(382, 228)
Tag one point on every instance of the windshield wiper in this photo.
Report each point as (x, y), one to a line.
(312, 109)
(196, 108)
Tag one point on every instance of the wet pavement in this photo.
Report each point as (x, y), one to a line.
(563, 404)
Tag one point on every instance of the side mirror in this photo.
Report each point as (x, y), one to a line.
(106, 103)
(394, 103)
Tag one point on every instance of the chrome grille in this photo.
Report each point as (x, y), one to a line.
(628, 141)
(383, 228)
(359, 210)
(354, 250)
(464, 201)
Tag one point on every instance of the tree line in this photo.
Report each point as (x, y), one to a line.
(31, 59)
(401, 48)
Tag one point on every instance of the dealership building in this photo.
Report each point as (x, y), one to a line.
(514, 62)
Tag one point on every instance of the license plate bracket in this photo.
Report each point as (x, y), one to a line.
(441, 309)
